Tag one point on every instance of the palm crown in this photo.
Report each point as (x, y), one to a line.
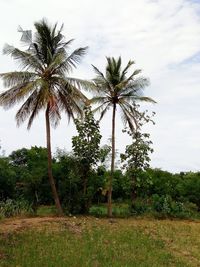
(43, 81)
(116, 88)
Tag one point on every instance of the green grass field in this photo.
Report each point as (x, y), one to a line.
(92, 242)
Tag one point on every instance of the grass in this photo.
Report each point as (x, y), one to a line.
(46, 210)
(118, 209)
(92, 242)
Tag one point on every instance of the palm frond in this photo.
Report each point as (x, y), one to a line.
(87, 85)
(141, 82)
(146, 99)
(129, 115)
(43, 97)
(25, 110)
(104, 111)
(54, 110)
(102, 107)
(11, 79)
(99, 100)
(16, 94)
(100, 79)
(124, 72)
(27, 61)
(113, 70)
(76, 56)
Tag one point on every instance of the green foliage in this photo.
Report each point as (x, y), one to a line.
(141, 206)
(43, 81)
(163, 183)
(119, 210)
(117, 87)
(189, 187)
(163, 194)
(121, 186)
(87, 151)
(7, 179)
(11, 208)
(30, 166)
(136, 156)
(165, 206)
(66, 170)
(104, 155)
(86, 144)
(70, 183)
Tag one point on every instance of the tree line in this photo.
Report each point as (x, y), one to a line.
(24, 177)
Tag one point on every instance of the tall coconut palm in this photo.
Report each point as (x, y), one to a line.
(42, 83)
(114, 89)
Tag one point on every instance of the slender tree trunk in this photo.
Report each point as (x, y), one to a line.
(85, 180)
(133, 192)
(112, 164)
(50, 174)
(84, 208)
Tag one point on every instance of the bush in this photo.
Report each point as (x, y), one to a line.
(165, 206)
(97, 211)
(11, 208)
(119, 210)
(141, 206)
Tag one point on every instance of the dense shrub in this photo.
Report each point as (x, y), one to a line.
(165, 206)
(140, 206)
(11, 207)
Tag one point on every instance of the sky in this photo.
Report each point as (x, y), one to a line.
(161, 36)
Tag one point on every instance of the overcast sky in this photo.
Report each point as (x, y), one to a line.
(162, 36)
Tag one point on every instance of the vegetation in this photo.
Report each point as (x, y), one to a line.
(127, 242)
(137, 154)
(159, 193)
(113, 89)
(86, 148)
(11, 208)
(43, 82)
(80, 181)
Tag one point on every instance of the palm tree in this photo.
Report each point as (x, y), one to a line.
(43, 83)
(116, 89)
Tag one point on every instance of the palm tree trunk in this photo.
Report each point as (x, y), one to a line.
(112, 164)
(50, 174)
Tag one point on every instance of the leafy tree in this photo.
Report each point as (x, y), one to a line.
(86, 146)
(7, 179)
(43, 82)
(114, 89)
(70, 183)
(163, 183)
(104, 155)
(189, 187)
(137, 154)
(31, 170)
(67, 171)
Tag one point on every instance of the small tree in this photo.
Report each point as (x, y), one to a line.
(136, 157)
(30, 166)
(86, 147)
